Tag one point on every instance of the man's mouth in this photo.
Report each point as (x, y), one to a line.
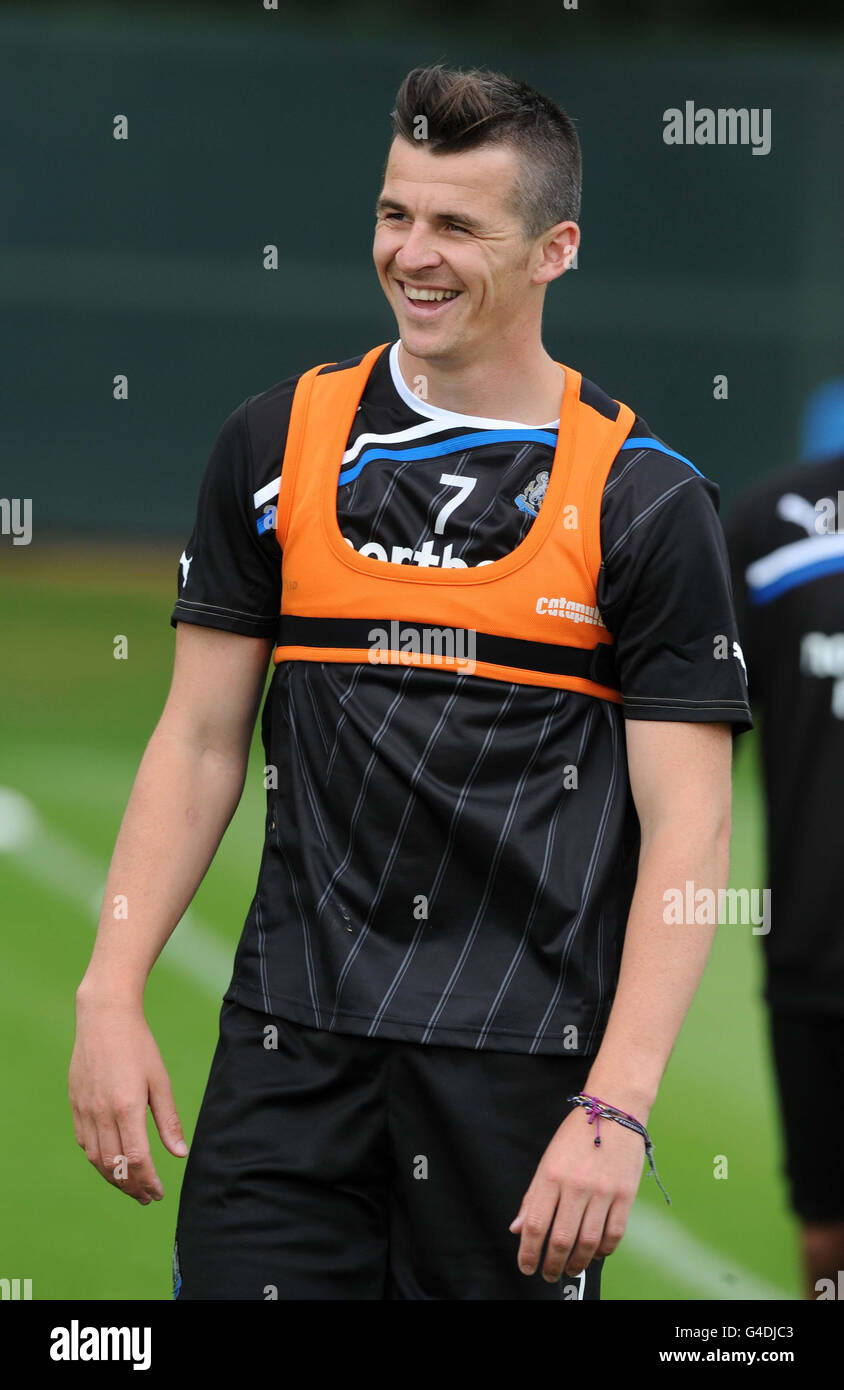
(427, 302)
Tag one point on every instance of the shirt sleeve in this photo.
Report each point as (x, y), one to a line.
(664, 593)
(229, 573)
(742, 549)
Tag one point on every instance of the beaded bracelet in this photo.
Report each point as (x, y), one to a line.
(598, 1110)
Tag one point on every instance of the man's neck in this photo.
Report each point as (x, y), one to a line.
(529, 391)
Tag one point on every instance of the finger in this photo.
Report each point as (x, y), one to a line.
(589, 1236)
(518, 1221)
(78, 1127)
(88, 1141)
(537, 1218)
(114, 1164)
(141, 1180)
(564, 1233)
(166, 1116)
(615, 1225)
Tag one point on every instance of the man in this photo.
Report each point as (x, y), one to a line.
(786, 543)
(502, 700)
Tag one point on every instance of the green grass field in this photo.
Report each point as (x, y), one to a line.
(75, 722)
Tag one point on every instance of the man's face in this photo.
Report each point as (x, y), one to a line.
(443, 222)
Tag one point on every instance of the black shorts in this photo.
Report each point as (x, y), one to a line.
(808, 1051)
(340, 1167)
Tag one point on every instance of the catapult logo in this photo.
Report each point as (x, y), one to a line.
(75, 1343)
(571, 610)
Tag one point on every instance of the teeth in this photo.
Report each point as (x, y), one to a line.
(430, 294)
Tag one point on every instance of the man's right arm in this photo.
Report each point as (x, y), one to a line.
(185, 793)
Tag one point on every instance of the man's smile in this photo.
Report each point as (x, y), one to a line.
(426, 301)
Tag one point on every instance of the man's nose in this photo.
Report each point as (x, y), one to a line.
(418, 249)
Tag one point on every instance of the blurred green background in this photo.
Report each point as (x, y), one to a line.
(144, 256)
(249, 127)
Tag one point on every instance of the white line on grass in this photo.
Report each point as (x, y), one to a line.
(194, 949)
(660, 1238)
(196, 952)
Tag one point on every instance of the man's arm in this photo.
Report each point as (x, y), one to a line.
(680, 781)
(185, 793)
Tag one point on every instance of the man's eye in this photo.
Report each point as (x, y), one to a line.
(455, 226)
(389, 215)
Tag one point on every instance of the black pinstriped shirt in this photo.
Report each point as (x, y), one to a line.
(451, 859)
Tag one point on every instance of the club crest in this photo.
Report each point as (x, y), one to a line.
(530, 500)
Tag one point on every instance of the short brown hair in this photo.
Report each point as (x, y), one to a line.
(463, 110)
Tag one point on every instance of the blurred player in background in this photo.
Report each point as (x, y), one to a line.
(786, 543)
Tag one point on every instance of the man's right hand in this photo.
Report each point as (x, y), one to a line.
(116, 1071)
(185, 793)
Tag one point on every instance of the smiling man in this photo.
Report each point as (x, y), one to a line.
(456, 950)
(468, 314)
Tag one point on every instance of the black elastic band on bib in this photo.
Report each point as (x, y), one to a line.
(548, 658)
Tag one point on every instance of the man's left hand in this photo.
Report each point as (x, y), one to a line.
(582, 1193)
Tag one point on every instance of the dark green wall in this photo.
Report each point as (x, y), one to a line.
(144, 257)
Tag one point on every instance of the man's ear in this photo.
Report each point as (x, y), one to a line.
(558, 252)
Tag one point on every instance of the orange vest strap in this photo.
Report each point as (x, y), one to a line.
(351, 384)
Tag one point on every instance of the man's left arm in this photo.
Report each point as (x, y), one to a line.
(581, 1195)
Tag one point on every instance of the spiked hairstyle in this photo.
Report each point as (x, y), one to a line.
(465, 110)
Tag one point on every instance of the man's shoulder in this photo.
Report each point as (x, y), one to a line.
(283, 391)
(643, 454)
(653, 493)
(267, 413)
(597, 399)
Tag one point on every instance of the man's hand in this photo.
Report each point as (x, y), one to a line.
(183, 797)
(586, 1192)
(115, 1072)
